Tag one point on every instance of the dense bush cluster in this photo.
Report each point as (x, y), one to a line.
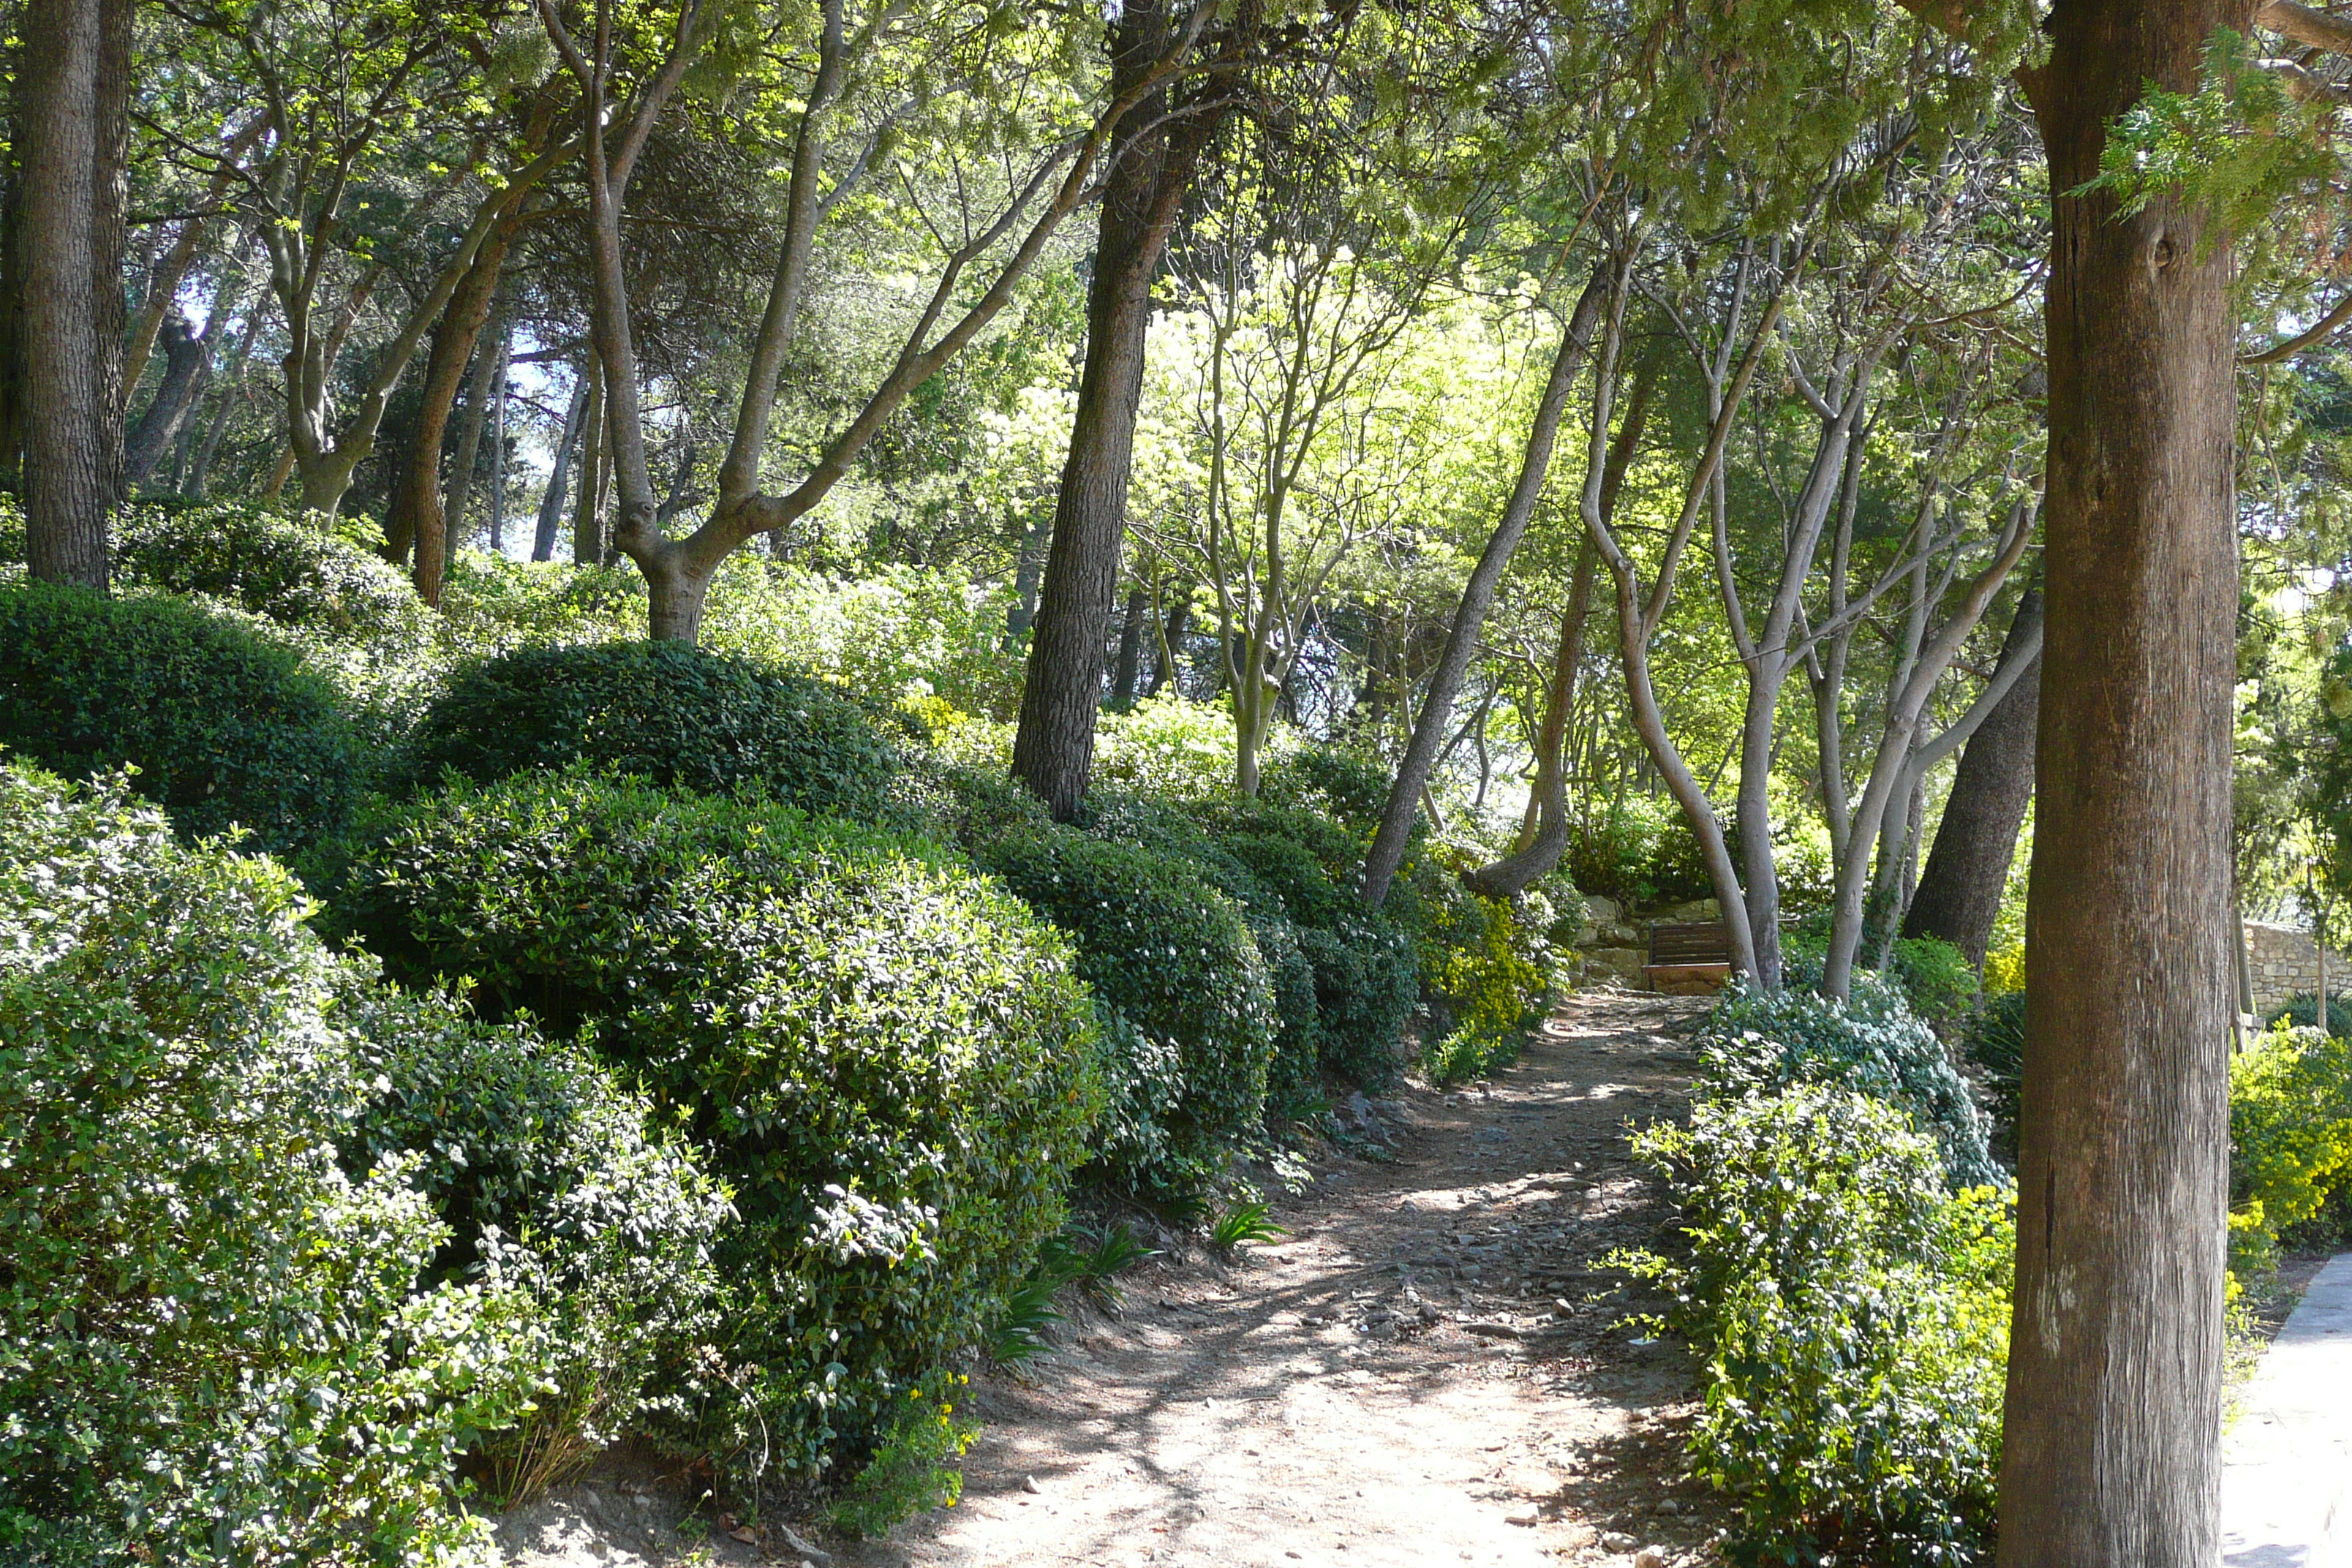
(1846, 1279)
(665, 712)
(1759, 1041)
(2291, 1133)
(891, 1061)
(1852, 1321)
(747, 1026)
(214, 1346)
(224, 729)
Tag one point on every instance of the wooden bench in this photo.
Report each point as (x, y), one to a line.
(1688, 960)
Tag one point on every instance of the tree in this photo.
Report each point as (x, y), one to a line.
(1053, 183)
(2111, 1435)
(1966, 872)
(75, 106)
(1144, 189)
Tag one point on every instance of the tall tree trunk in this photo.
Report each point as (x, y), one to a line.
(184, 356)
(1028, 567)
(1967, 870)
(232, 388)
(1387, 852)
(498, 440)
(2111, 1432)
(1171, 641)
(1130, 649)
(1547, 801)
(587, 513)
(454, 341)
(479, 386)
(1053, 748)
(550, 504)
(76, 96)
(15, 255)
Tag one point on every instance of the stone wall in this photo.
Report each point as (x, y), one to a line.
(2283, 962)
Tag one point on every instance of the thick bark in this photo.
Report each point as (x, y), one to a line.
(1172, 639)
(1053, 748)
(455, 336)
(76, 103)
(1967, 870)
(558, 476)
(2110, 1430)
(1130, 649)
(1387, 852)
(186, 354)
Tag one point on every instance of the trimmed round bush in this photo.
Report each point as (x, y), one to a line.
(891, 1061)
(224, 728)
(667, 711)
(296, 572)
(212, 1345)
(1175, 959)
(543, 1167)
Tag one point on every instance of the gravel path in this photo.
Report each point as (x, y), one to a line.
(1425, 1370)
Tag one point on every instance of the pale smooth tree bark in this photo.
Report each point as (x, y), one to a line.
(1605, 294)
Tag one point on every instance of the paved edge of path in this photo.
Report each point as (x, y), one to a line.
(2287, 1481)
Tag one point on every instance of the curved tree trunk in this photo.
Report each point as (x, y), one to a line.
(1387, 852)
(1967, 870)
(184, 356)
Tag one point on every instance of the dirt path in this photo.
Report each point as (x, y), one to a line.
(1423, 1371)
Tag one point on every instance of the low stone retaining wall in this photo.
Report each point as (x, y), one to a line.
(2283, 962)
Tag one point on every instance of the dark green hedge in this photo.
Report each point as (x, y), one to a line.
(892, 1062)
(671, 713)
(1175, 959)
(223, 727)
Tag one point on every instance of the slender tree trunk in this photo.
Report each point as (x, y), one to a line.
(480, 385)
(1053, 748)
(15, 256)
(550, 504)
(587, 519)
(1387, 852)
(184, 355)
(1130, 649)
(232, 388)
(76, 99)
(1171, 641)
(1967, 870)
(498, 440)
(1547, 801)
(1029, 567)
(454, 340)
(2112, 1427)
